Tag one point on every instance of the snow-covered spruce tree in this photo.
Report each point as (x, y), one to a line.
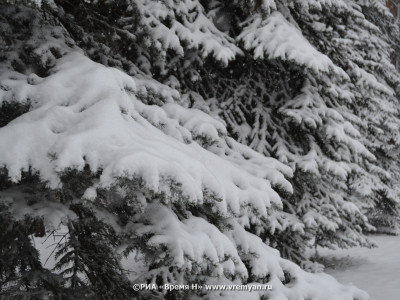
(385, 126)
(286, 99)
(156, 51)
(117, 166)
(183, 36)
(315, 115)
(297, 99)
(361, 40)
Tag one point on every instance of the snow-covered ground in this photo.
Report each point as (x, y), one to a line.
(376, 270)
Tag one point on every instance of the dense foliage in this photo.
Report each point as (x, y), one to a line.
(185, 141)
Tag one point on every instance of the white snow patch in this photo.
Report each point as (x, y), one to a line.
(375, 270)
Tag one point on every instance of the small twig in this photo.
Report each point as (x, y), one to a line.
(55, 247)
(51, 233)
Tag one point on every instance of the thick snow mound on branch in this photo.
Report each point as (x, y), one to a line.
(87, 114)
(275, 37)
(234, 253)
(194, 29)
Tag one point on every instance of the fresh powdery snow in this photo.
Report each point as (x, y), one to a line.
(86, 114)
(375, 270)
(119, 179)
(276, 37)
